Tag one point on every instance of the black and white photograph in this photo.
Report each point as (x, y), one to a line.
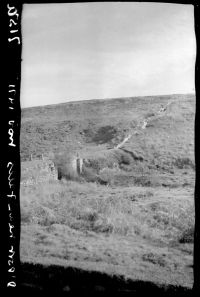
(107, 151)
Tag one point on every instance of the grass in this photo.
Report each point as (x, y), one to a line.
(126, 231)
(131, 211)
(89, 206)
(49, 128)
(187, 235)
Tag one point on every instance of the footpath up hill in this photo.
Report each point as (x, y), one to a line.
(159, 129)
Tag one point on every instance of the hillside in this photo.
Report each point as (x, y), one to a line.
(95, 127)
(130, 213)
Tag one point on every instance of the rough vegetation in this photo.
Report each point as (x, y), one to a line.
(130, 211)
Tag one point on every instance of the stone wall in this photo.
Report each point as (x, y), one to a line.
(37, 171)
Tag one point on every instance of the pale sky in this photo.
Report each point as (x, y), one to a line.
(78, 51)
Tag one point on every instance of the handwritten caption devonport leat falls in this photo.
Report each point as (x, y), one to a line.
(13, 42)
(11, 197)
(11, 251)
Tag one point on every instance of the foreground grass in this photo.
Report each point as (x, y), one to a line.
(123, 211)
(141, 233)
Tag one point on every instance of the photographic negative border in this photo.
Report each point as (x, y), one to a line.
(11, 12)
(10, 163)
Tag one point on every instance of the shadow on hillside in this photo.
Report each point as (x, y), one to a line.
(39, 280)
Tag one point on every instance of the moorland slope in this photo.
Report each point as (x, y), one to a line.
(135, 219)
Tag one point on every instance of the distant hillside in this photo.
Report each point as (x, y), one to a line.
(106, 122)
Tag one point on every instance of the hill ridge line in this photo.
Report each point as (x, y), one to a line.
(104, 99)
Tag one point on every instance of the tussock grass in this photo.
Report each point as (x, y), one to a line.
(90, 206)
(154, 259)
(187, 235)
(116, 229)
(184, 163)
